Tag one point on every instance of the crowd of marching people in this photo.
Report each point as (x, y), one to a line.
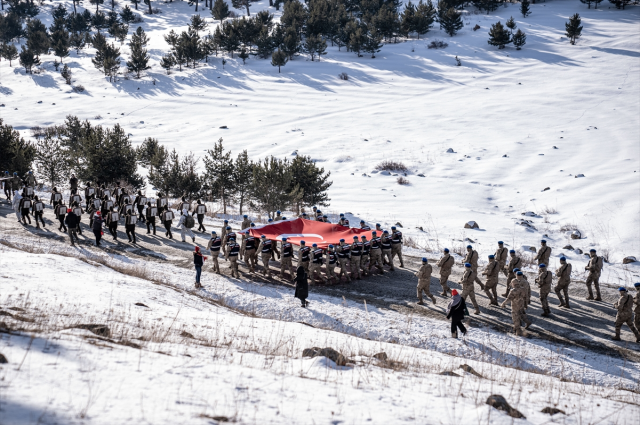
(348, 260)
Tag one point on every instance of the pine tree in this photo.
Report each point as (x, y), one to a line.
(139, 56)
(77, 41)
(321, 48)
(498, 35)
(220, 10)
(167, 62)
(311, 46)
(66, 73)
(243, 55)
(15, 154)
(99, 21)
(573, 28)
(198, 24)
(264, 44)
(424, 17)
(28, 59)
(279, 59)
(407, 19)
(291, 43)
(524, 8)
(127, 15)
(97, 3)
(519, 39)
(357, 40)
(61, 48)
(372, 43)
(312, 181)
(242, 4)
(37, 38)
(272, 186)
(9, 52)
(242, 179)
(451, 22)
(294, 16)
(219, 173)
(51, 159)
(511, 24)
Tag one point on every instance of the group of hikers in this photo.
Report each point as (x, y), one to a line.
(356, 259)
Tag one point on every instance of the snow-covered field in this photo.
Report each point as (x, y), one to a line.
(409, 104)
(251, 370)
(555, 110)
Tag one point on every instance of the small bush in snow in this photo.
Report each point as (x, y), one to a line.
(568, 228)
(391, 166)
(79, 88)
(343, 76)
(402, 181)
(437, 44)
(37, 131)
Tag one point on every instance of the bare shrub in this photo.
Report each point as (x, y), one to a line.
(437, 44)
(476, 28)
(402, 181)
(38, 131)
(79, 88)
(343, 76)
(137, 19)
(392, 166)
(568, 228)
(549, 210)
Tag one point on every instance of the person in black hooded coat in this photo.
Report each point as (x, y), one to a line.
(456, 311)
(302, 286)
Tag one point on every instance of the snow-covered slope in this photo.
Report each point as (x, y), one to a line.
(555, 110)
(181, 358)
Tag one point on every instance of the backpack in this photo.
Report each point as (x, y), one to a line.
(600, 264)
(189, 221)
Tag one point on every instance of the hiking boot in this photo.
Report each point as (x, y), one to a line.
(420, 303)
(444, 294)
(433, 299)
(544, 314)
(477, 311)
(590, 297)
(528, 325)
(598, 298)
(194, 240)
(616, 338)
(454, 335)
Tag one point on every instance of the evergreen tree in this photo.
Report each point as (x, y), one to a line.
(99, 21)
(498, 35)
(587, 2)
(77, 41)
(139, 56)
(318, 17)
(97, 3)
(37, 38)
(119, 31)
(519, 39)
(15, 153)
(424, 17)
(242, 179)
(198, 24)
(66, 73)
(147, 151)
(219, 173)
(524, 8)
(51, 159)
(242, 4)
(407, 19)
(311, 45)
(112, 19)
(272, 186)
(451, 22)
(167, 61)
(243, 55)
(311, 181)
(9, 52)
(372, 43)
(59, 13)
(279, 59)
(28, 59)
(220, 10)
(596, 3)
(291, 43)
(573, 28)
(357, 41)
(294, 16)
(98, 41)
(264, 44)
(61, 48)
(127, 15)
(511, 24)
(386, 22)
(209, 46)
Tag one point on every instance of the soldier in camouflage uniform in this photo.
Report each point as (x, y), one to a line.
(424, 281)
(517, 297)
(564, 279)
(595, 268)
(624, 305)
(445, 263)
(515, 262)
(467, 283)
(491, 271)
(502, 256)
(544, 281)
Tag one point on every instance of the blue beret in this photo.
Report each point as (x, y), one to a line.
(513, 251)
(278, 212)
(330, 245)
(519, 273)
(213, 233)
(492, 256)
(386, 232)
(592, 250)
(542, 265)
(637, 284)
(516, 270)
(446, 250)
(622, 289)
(469, 247)
(263, 237)
(314, 245)
(563, 259)
(341, 240)
(355, 237)
(284, 239)
(500, 242)
(543, 241)
(467, 265)
(245, 216)
(302, 242)
(424, 259)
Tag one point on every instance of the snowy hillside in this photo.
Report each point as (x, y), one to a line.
(169, 355)
(554, 109)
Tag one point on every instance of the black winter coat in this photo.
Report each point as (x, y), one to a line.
(71, 220)
(302, 285)
(97, 224)
(457, 313)
(197, 259)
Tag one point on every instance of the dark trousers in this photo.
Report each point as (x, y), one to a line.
(201, 226)
(98, 235)
(130, 229)
(455, 324)
(25, 215)
(113, 229)
(140, 215)
(7, 192)
(151, 222)
(62, 225)
(74, 191)
(198, 273)
(38, 216)
(167, 225)
(79, 229)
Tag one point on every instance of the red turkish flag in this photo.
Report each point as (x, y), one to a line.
(309, 231)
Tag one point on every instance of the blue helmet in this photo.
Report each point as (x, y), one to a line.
(446, 250)
(542, 265)
(467, 265)
(491, 257)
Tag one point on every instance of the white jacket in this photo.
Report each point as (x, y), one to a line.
(16, 201)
